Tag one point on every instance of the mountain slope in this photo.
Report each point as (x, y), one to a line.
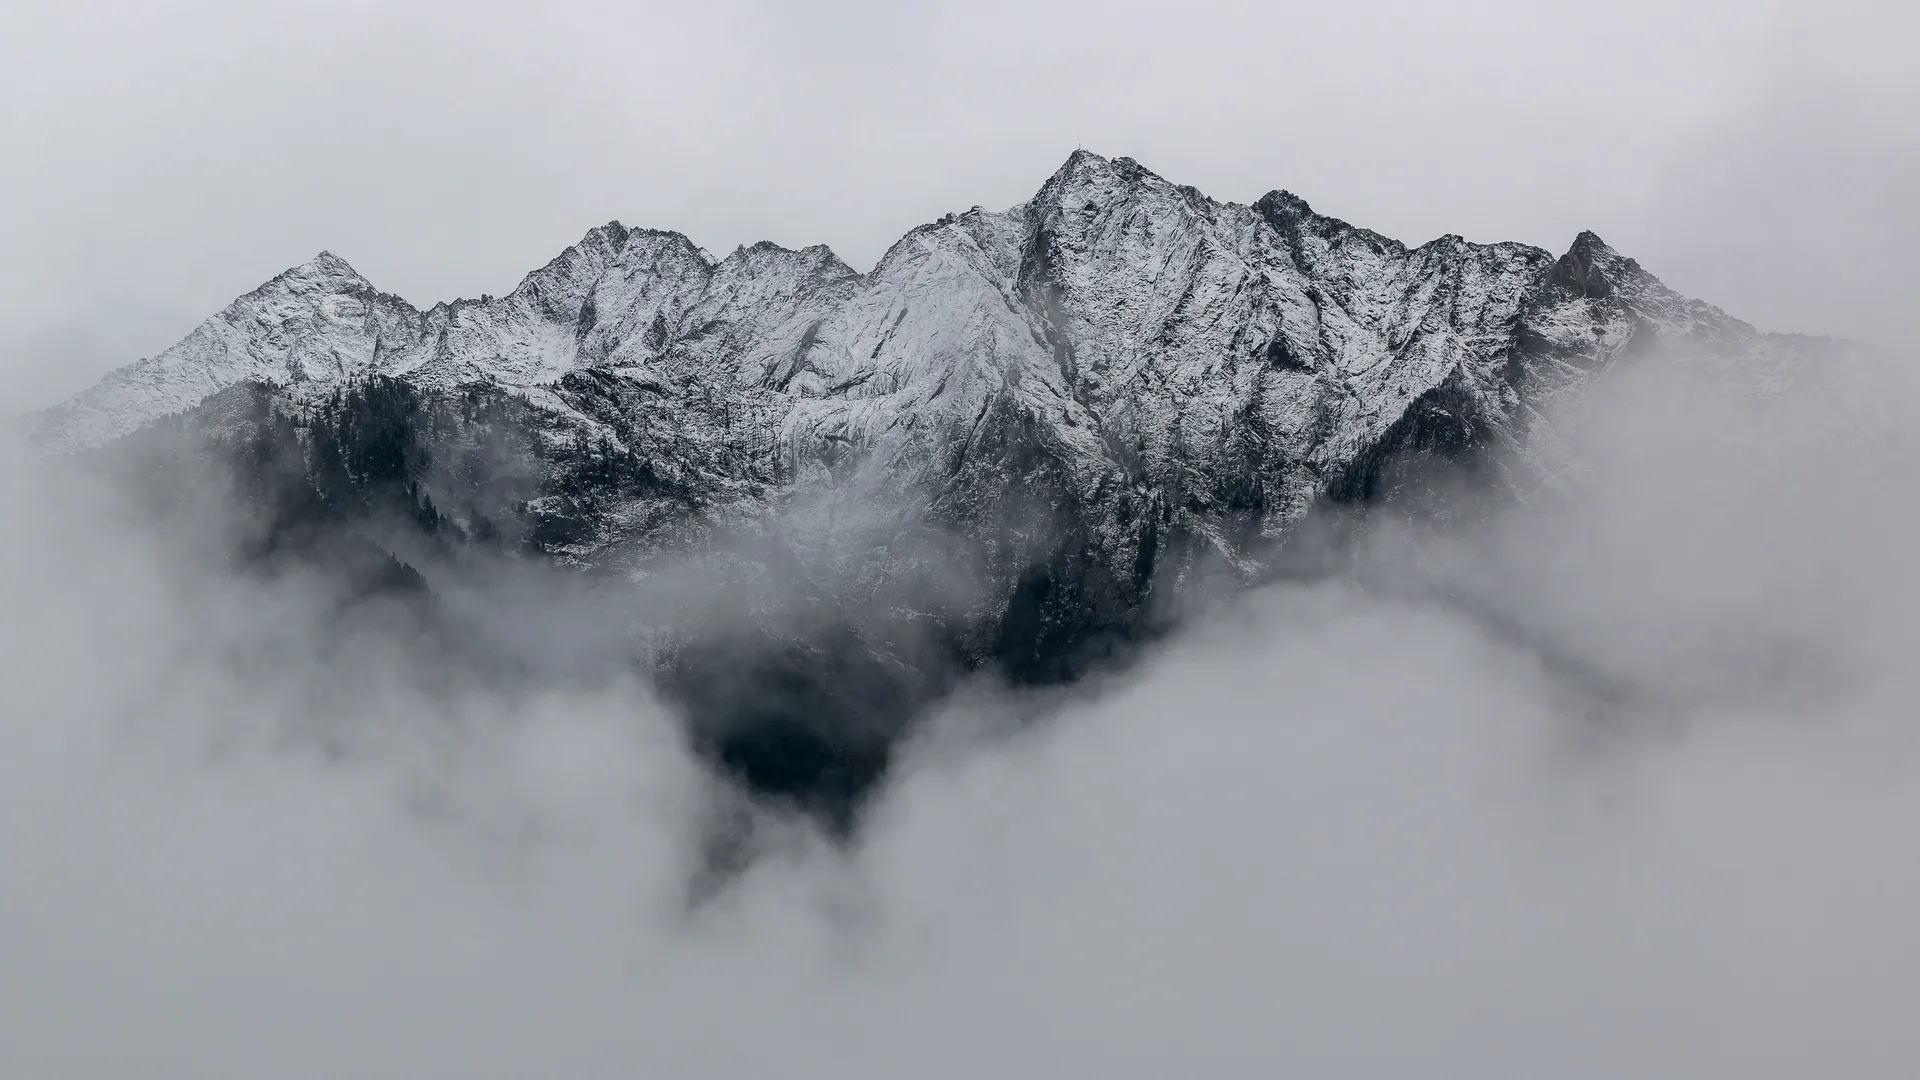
(1010, 443)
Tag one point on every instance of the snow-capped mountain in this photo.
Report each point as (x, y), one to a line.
(1114, 297)
(1011, 434)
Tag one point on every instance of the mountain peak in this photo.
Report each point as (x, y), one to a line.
(1087, 180)
(1589, 245)
(324, 265)
(1081, 168)
(1282, 205)
(1080, 159)
(325, 274)
(1588, 268)
(1087, 165)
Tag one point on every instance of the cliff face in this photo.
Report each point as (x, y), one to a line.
(1006, 444)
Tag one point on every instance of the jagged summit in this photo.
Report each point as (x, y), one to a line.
(325, 271)
(1589, 242)
(1284, 204)
(1115, 270)
(325, 264)
(1582, 269)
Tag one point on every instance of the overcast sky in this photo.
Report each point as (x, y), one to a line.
(161, 159)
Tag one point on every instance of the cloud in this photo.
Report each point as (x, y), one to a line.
(1617, 781)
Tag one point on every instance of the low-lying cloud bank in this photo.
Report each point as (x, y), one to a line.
(1621, 782)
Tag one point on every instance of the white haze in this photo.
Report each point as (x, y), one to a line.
(1623, 783)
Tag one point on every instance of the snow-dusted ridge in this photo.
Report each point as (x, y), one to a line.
(1159, 289)
(1218, 366)
(1004, 444)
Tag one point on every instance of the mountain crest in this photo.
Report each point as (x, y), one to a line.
(1583, 269)
(1132, 310)
(325, 271)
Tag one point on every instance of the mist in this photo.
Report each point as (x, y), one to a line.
(1618, 779)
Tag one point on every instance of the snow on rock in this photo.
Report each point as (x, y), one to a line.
(1123, 344)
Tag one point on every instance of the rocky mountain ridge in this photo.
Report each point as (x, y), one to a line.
(1006, 444)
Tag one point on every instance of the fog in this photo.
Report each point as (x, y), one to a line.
(1619, 781)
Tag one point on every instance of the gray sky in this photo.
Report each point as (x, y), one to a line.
(161, 159)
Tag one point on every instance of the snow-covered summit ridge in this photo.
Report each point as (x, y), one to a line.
(1112, 300)
(317, 325)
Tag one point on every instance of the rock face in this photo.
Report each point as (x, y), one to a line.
(1007, 444)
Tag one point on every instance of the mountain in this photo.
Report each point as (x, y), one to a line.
(1014, 443)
